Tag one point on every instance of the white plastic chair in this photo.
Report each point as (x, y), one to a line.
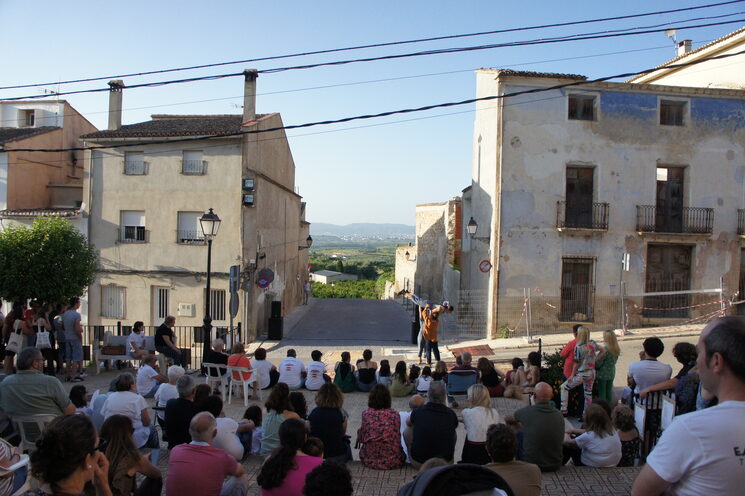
(236, 379)
(30, 429)
(217, 379)
(9, 471)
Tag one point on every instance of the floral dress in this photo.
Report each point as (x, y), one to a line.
(380, 437)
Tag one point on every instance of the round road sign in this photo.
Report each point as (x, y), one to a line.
(485, 265)
(263, 282)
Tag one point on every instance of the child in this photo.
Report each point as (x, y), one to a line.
(623, 421)
(414, 373)
(422, 383)
(313, 447)
(78, 398)
(441, 372)
(384, 373)
(251, 440)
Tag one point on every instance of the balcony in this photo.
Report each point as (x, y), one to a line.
(136, 167)
(194, 167)
(684, 220)
(133, 234)
(741, 222)
(594, 219)
(190, 238)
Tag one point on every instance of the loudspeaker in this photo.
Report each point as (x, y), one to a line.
(275, 328)
(276, 309)
(414, 331)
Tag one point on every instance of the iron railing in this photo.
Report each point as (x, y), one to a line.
(190, 237)
(577, 303)
(194, 167)
(684, 220)
(571, 217)
(741, 221)
(136, 167)
(134, 234)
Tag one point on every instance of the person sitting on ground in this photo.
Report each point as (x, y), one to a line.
(66, 459)
(422, 382)
(252, 442)
(299, 405)
(292, 371)
(514, 380)
(228, 430)
(328, 422)
(501, 444)
(266, 372)
(414, 371)
(597, 445)
(180, 411)
(78, 398)
(533, 374)
(168, 391)
(649, 371)
(149, 378)
(440, 373)
(315, 372)
(623, 421)
(380, 432)
(433, 425)
(477, 420)
(365, 373)
(344, 373)
(466, 358)
(201, 393)
(200, 469)
(238, 358)
(278, 409)
(125, 461)
(125, 401)
(30, 392)
(489, 377)
(542, 430)
(383, 375)
(400, 384)
(328, 479)
(136, 341)
(283, 473)
(313, 447)
(217, 355)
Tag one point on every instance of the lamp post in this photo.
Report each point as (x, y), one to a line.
(210, 224)
(308, 243)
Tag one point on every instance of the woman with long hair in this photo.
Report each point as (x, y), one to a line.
(477, 420)
(278, 409)
(328, 422)
(366, 369)
(489, 377)
(283, 473)
(583, 370)
(344, 374)
(598, 444)
(379, 435)
(400, 384)
(125, 460)
(383, 375)
(605, 366)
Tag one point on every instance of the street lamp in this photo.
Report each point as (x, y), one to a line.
(210, 224)
(472, 227)
(308, 243)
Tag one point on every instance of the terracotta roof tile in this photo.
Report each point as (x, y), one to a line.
(175, 125)
(8, 134)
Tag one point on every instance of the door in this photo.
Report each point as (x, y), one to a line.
(668, 269)
(669, 204)
(577, 289)
(579, 192)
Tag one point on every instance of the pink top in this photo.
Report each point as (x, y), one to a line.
(194, 469)
(295, 479)
(240, 361)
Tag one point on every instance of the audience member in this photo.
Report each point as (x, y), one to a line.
(685, 354)
(514, 379)
(432, 428)
(217, 355)
(597, 445)
(623, 421)
(477, 420)
(313, 447)
(266, 372)
(328, 422)
(299, 405)
(148, 378)
(489, 377)
(201, 393)
(66, 459)
(238, 358)
(400, 384)
(542, 428)
(366, 369)
(136, 341)
(278, 409)
(379, 435)
(414, 374)
(605, 366)
(604, 405)
(78, 398)
(168, 391)
(328, 479)
(283, 473)
(73, 341)
(292, 371)
(702, 452)
(228, 430)
(344, 373)
(30, 392)
(198, 468)
(180, 411)
(648, 371)
(533, 374)
(13, 324)
(422, 382)
(440, 373)
(125, 461)
(567, 352)
(165, 341)
(501, 444)
(383, 375)
(316, 372)
(252, 442)
(414, 402)
(466, 359)
(583, 372)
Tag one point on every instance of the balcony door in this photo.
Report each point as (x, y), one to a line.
(579, 193)
(669, 204)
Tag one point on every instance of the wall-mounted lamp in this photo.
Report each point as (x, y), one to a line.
(409, 257)
(472, 227)
(308, 242)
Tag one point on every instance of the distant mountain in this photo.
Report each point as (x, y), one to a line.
(363, 230)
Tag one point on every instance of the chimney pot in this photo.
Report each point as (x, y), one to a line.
(115, 104)
(249, 95)
(684, 47)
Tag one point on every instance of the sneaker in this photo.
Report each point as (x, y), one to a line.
(76, 379)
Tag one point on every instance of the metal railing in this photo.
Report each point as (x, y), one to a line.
(194, 167)
(568, 217)
(741, 221)
(136, 167)
(685, 220)
(190, 237)
(134, 234)
(577, 303)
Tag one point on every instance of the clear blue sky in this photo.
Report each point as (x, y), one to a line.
(376, 173)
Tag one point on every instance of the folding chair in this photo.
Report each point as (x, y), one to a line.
(236, 379)
(218, 379)
(30, 429)
(460, 380)
(9, 473)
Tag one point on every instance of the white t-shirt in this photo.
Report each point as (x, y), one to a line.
(145, 381)
(404, 418)
(422, 384)
(256, 441)
(227, 437)
(600, 451)
(130, 405)
(262, 368)
(290, 370)
(477, 420)
(164, 393)
(138, 339)
(314, 380)
(703, 452)
(648, 373)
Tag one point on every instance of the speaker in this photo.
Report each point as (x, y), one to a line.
(275, 328)
(414, 331)
(276, 309)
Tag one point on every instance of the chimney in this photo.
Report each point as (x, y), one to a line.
(115, 104)
(684, 47)
(249, 95)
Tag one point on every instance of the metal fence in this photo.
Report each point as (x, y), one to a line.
(469, 320)
(595, 217)
(688, 220)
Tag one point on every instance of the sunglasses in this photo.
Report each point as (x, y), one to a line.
(102, 444)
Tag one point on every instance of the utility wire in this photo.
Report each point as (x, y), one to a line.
(379, 45)
(381, 114)
(578, 37)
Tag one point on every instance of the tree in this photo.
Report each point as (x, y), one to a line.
(50, 261)
(339, 266)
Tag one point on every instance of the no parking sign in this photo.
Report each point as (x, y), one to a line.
(485, 265)
(263, 282)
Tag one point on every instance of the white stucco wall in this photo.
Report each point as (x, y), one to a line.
(3, 181)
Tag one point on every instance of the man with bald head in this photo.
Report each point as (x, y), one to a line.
(542, 427)
(703, 452)
(414, 402)
(198, 468)
(433, 428)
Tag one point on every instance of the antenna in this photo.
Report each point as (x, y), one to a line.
(671, 33)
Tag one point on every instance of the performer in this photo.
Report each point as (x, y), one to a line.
(428, 306)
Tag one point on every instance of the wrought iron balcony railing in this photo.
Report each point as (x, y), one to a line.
(570, 217)
(684, 220)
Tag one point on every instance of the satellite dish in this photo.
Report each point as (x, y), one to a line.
(671, 33)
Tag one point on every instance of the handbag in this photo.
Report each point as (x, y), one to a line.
(42, 340)
(16, 339)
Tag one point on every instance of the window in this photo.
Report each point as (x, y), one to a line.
(189, 231)
(26, 118)
(134, 164)
(672, 113)
(161, 301)
(217, 304)
(579, 195)
(113, 302)
(577, 289)
(582, 107)
(192, 163)
(668, 271)
(133, 227)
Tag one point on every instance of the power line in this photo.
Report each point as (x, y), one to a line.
(579, 37)
(379, 45)
(383, 114)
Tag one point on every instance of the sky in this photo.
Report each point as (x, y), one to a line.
(365, 171)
